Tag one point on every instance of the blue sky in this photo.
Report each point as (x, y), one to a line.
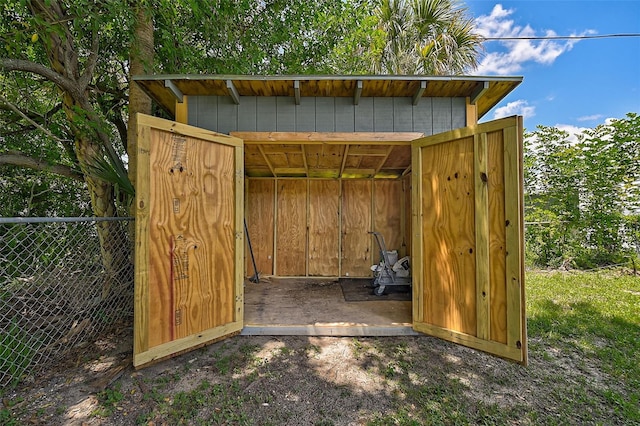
(569, 84)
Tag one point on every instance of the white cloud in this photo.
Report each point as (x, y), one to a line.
(519, 107)
(593, 117)
(572, 130)
(514, 53)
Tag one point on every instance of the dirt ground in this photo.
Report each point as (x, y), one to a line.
(285, 379)
(296, 380)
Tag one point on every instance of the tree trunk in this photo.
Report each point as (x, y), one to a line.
(141, 62)
(91, 141)
(113, 247)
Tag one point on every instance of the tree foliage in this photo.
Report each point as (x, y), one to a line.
(583, 198)
(433, 37)
(66, 72)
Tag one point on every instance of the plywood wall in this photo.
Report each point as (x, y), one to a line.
(387, 215)
(324, 227)
(291, 227)
(321, 226)
(260, 208)
(356, 223)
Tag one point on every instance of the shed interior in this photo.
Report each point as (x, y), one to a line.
(311, 218)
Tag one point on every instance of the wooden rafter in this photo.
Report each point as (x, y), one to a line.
(296, 91)
(419, 92)
(479, 90)
(357, 93)
(304, 160)
(169, 84)
(233, 92)
(344, 159)
(384, 160)
(266, 160)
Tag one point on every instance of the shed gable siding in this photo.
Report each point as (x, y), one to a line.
(325, 114)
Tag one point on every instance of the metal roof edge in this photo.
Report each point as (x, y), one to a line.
(376, 77)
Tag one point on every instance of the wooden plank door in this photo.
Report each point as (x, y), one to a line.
(468, 237)
(189, 239)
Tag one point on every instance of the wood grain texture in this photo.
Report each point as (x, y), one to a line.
(514, 236)
(324, 227)
(407, 200)
(483, 267)
(260, 213)
(291, 227)
(182, 110)
(192, 236)
(387, 215)
(339, 138)
(442, 279)
(141, 290)
(497, 238)
(449, 235)
(356, 223)
(188, 236)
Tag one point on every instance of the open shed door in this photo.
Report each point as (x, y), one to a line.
(189, 238)
(468, 228)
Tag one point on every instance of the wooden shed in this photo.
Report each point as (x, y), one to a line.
(312, 164)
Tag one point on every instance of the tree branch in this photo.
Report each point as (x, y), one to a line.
(9, 64)
(17, 158)
(117, 120)
(31, 121)
(92, 61)
(32, 115)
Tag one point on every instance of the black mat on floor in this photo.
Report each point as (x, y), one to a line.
(359, 290)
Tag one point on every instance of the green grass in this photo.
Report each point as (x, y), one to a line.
(206, 404)
(595, 317)
(109, 400)
(584, 351)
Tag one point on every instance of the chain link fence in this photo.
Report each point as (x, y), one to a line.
(63, 282)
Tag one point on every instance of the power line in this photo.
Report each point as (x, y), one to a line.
(582, 37)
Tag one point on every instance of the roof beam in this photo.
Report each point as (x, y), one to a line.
(290, 171)
(296, 90)
(479, 90)
(233, 92)
(419, 92)
(359, 172)
(357, 93)
(328, 138)
(384, 160)
(304, 160)
(266, 160)
(169, 84)
(344, 159)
